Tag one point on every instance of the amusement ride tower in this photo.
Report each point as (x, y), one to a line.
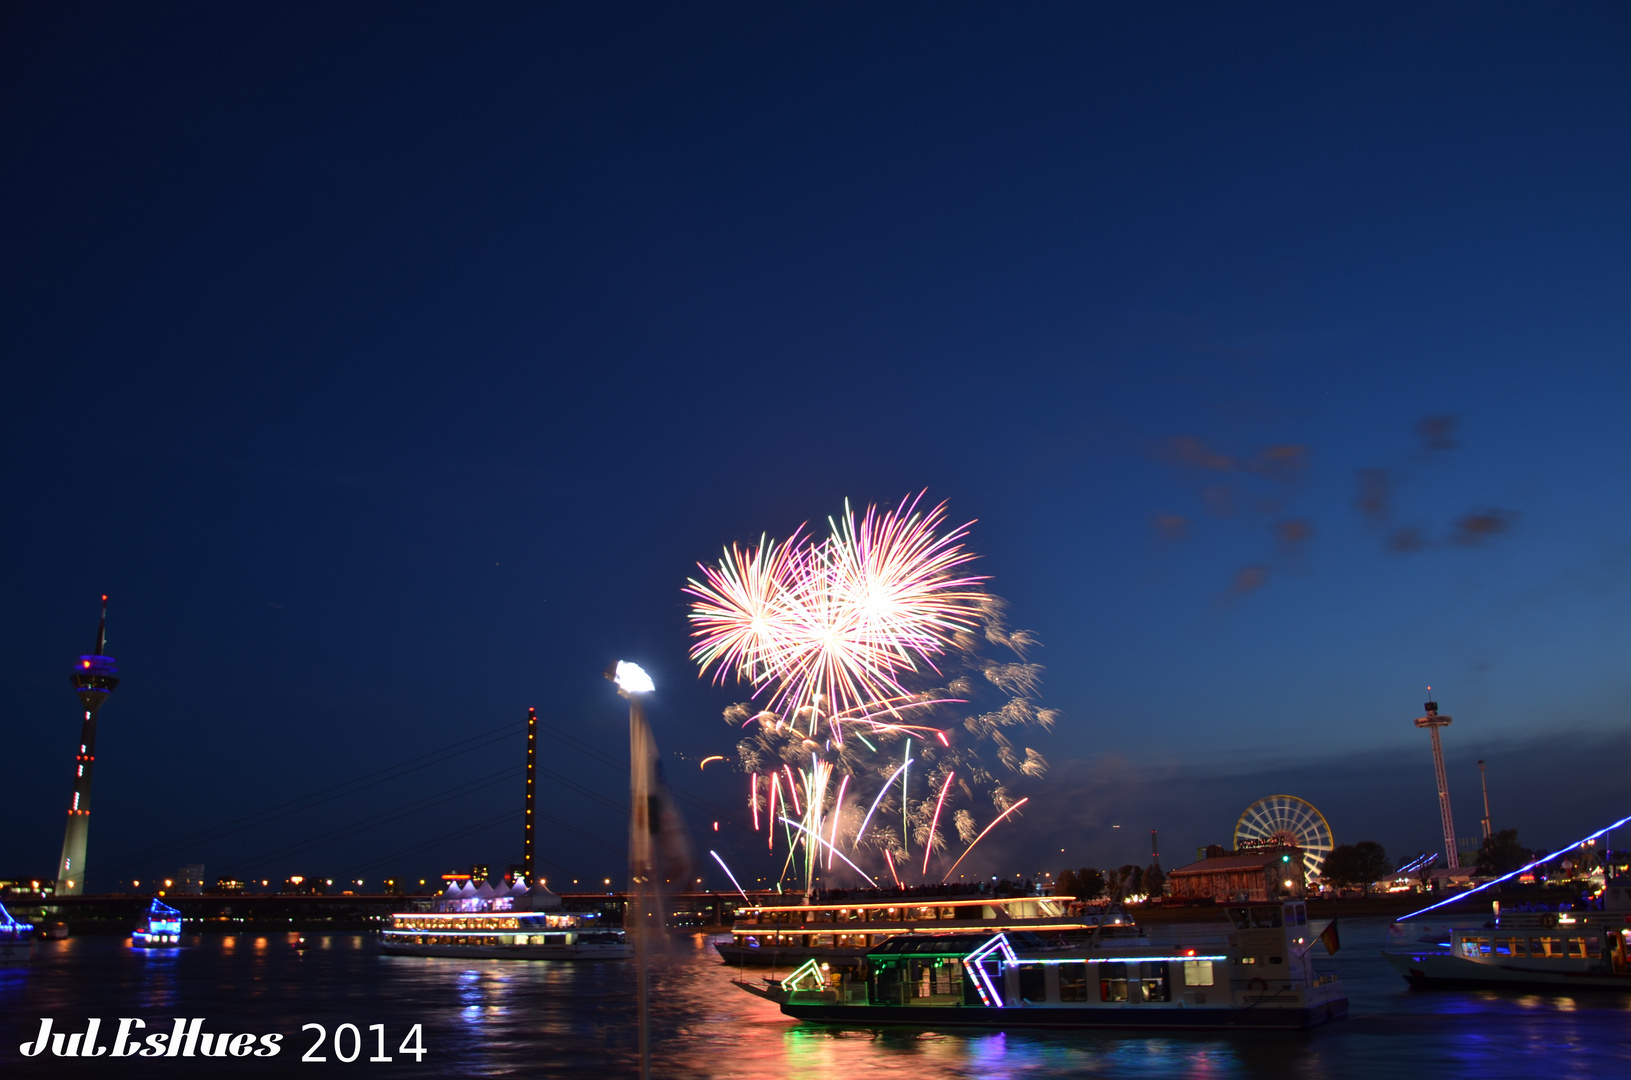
(1432, 722)
(94, 678)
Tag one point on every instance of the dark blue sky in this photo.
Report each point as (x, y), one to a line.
(392, 367)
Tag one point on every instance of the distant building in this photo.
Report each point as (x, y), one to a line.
(230, 886)
(190, 879)
(1270, 874)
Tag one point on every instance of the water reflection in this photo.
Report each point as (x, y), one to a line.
(547, 1018)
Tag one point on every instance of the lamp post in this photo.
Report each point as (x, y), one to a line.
(633, 683)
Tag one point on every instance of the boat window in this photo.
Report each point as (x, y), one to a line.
(1266, 918)
(1300, 913)
(1509, 946)
(1475, 946)
(1073, 982)
(1152, 980)
(1197, 973)
(1033, 982)
(1545, 946)
(1581, 948)
(1113, 982)
(1241, 918)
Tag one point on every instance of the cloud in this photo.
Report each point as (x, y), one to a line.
(1293, 533)
(1248, 579)
(1190, 452)
(1170, 528)
(1406, 540)
(1437, 432)
(1373, 497)
(1285, 463)
(1473, 529)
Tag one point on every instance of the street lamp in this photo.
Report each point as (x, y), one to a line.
(633, 683)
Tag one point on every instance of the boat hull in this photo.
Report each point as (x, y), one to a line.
(1133, 1017)
(1443, 970)
(16, 951)
(587, 951)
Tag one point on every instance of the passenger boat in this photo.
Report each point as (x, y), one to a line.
(161, 928)
(519, 924)
(1573, 949)
(1249, 967)
(840, 933)
(16, 939)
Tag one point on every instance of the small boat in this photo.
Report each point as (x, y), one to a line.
(487, 924)
(840, 933)
(160, 929)
(1247, 968)
(54, 931)
(1568, 948)
(16, 939)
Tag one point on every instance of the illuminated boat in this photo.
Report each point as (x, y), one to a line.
(1247, 968)
(840, 934)
(487, 924)
(1575, 949)
(161, 928)
(16, 939)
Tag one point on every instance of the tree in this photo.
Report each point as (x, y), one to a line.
(1131, 879)
(1501, 854)
(1155, 882)
(1065, 884)
(1359, 864)
(1089, 884)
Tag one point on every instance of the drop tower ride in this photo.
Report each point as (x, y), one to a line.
(94, 678)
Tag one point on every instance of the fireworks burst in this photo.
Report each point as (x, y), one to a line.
(852, 645)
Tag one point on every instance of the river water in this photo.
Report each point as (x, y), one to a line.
(550, 1019)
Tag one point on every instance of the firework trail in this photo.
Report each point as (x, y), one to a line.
(854, 647)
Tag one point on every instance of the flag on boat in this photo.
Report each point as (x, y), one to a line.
(1329, 938)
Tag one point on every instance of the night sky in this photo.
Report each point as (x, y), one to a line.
(392, 367)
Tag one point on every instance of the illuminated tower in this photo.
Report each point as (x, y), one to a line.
(94, 678)
(1432, 722)
(532, 768)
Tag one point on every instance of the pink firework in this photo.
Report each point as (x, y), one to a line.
(826, 630)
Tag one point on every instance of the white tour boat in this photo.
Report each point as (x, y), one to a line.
(1572, 949)
(480, 922)
(840, 933)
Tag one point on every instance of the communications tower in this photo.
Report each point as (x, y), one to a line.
(94, 678)
(1432, 722)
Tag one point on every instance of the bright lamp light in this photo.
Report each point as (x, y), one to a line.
(632, 679)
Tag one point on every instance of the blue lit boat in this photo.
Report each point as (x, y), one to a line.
(1248, 968)
(16, 939)
(160, 929)
(1582, 950)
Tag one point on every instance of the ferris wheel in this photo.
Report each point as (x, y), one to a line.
(1286, 819)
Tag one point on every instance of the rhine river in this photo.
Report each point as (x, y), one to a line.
(558, 1019)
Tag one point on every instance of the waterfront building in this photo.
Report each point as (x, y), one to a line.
(94, 678)
(1255, 876)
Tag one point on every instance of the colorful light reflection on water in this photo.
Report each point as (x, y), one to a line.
(495, 1018)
